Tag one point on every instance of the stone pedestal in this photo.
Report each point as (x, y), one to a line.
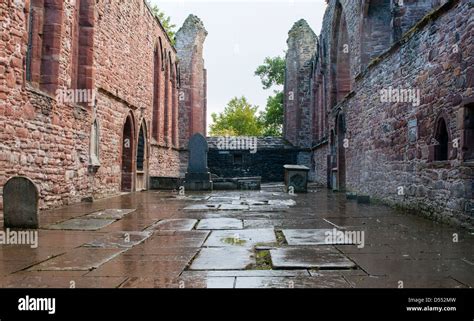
(198, 177)
(296, 176)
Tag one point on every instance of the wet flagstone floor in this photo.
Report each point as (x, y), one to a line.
(239, 239)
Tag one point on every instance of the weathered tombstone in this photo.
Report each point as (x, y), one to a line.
(20, 203)
(296, 176)
(198, 177)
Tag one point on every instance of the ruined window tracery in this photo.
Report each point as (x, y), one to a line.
(156, 92)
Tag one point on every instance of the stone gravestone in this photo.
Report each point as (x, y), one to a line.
(198, 177)
(20, 203)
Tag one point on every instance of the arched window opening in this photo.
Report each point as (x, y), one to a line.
(83, 46)
(442, 141)
(44, 44)
(166, 124)
(340, 68)
(156, 92)
(141, 151)
(376, 33)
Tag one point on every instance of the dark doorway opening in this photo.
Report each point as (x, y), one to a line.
(341, 152)
(142, 160)
(442, 138)
(127, 156)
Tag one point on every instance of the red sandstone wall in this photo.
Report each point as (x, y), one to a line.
(48, 141)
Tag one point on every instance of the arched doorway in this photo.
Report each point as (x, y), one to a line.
(341, 152)
(142, 160)
(127, 155)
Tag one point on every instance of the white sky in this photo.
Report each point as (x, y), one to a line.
(241, 34)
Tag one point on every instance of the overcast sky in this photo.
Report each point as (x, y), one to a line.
(241, 34)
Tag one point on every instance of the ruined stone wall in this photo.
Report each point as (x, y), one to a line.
(381, 159)
(40, 138)
(298, 116)
(390, 145)
(49, 141)
(193, 79)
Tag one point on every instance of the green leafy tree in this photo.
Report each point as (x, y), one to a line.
(165, 20)
(272, 73)
(238, 119)
(272, 117)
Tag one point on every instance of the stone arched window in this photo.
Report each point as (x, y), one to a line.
(166, 120)
(45, 21)
(441, 143)
(157, 59)
(174, 104)
(376, 29)
(83, 46)
(340, 67)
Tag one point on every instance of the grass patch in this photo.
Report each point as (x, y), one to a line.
(281, 240)
(263, 261)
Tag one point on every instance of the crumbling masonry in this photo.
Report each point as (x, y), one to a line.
(134, 111)
(383, 102)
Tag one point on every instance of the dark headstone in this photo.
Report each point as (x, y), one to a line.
(20, 203)
(198, 177)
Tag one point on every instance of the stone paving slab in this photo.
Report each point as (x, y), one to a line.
(80, 259)
(202, 207)
(123, 266)
(398, 266)
(408, 282)
(244, 238)
(13, 266)
(295, 282)
(309, 237)
(82, 224)
(119, 240)
(58, 282)
(223, 258)
(288, 202)
(220, 224)
(174, 225)
(129, 224)
(178, 239)
(223, 199)
(247, 273)
(111, 214)
(289, 223)
(181, 283)
(350, 272)
(287, 258)
(233, 207)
